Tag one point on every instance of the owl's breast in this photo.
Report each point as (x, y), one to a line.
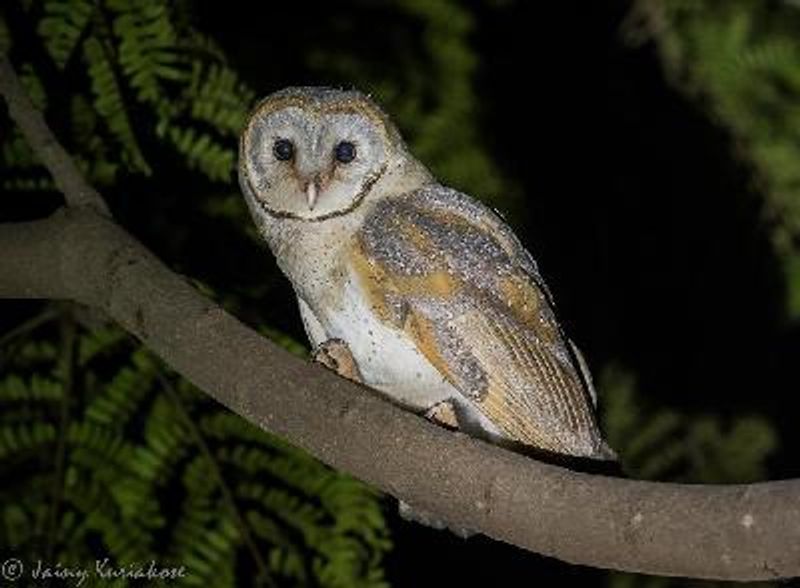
(311, 257)
(387, 357)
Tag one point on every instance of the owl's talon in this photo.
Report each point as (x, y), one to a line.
(335, 355)
(443, 413)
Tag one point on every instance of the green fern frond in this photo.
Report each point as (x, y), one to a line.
(107, 445)
(16, 152)
(24, 439)
(769, 54)
(215, 551)
(33, 86)
(98, 163)
(35, 353)
(118, 401)
(166, 441)
(109, 103)
(198, 44)
(62, 26)
(228, 426)
(147, 47)
(737, 454)
(13, 388)
(99, 342)
(218, 97)
(16, 525)
(37, 184)
(204, 153)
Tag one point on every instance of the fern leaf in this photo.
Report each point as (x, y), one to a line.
(147, 46)
(109, 103)
(218, 97)
(24, 438)
(63, 25)
(204, 153)
(99, 342)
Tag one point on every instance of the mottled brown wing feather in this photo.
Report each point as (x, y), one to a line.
(533, 396)
(476, 307)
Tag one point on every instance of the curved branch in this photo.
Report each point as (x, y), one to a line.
(738, 532)
(41, 139)
(742, 532)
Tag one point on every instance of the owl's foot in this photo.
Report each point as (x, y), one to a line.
(443, 413)
(335, 355)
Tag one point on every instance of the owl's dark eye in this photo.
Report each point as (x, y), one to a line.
(283, 149)
(345, 152)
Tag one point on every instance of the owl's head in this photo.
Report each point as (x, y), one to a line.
(314, 153)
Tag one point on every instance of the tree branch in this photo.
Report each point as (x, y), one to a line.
(737, 532)
(67, 177)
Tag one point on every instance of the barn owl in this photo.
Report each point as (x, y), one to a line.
(426, 293)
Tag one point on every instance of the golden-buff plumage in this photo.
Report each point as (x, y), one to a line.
(487, 325)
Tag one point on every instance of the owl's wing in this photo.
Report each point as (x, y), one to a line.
(450, 273)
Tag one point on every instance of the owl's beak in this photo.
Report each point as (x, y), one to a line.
(311, 194)
(312, 191)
